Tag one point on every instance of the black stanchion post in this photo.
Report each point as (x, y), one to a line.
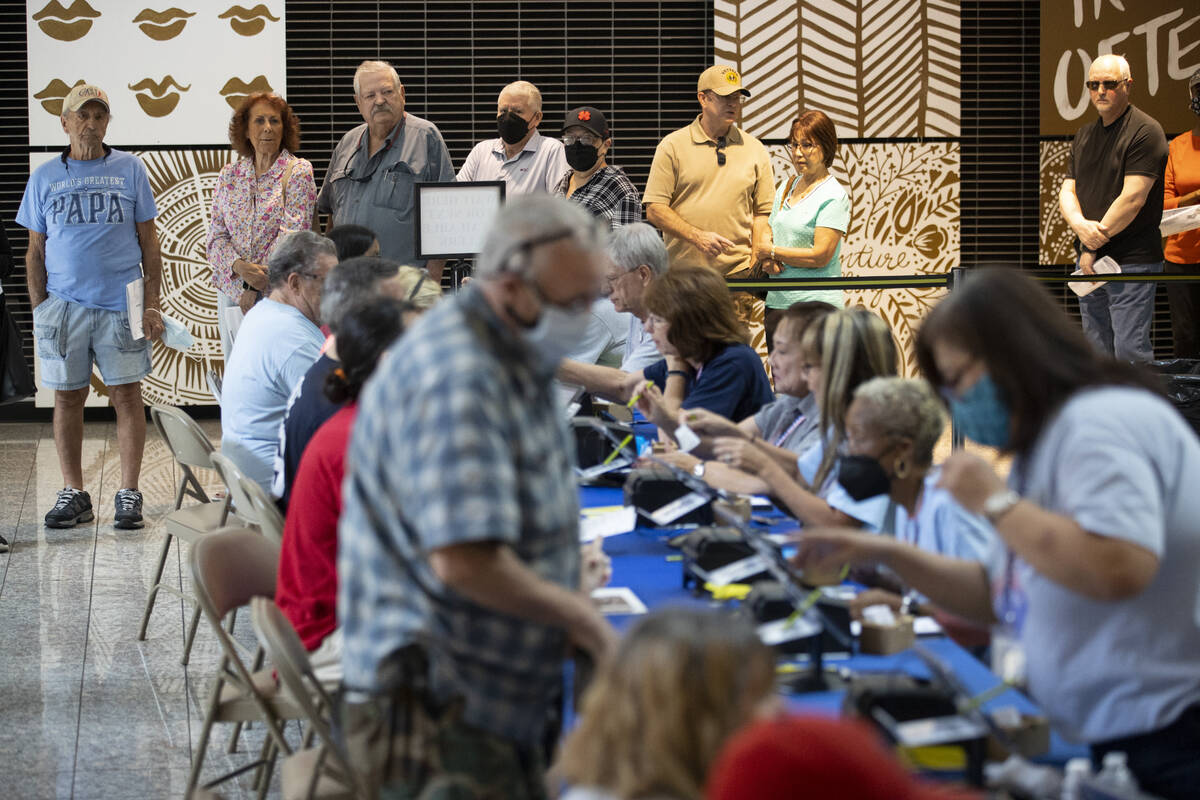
(954, 282)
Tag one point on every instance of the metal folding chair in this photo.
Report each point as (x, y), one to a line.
(323, 771)
(192, 450)
(229, 568)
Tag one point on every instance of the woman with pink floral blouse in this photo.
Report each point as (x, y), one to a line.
(267, 192)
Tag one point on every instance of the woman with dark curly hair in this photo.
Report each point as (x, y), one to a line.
(266, 192)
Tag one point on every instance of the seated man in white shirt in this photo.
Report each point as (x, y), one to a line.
(277, 343)
(636, 255)
(524, 159)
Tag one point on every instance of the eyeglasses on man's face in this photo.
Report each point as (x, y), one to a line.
(585, 139)
(1106, 86)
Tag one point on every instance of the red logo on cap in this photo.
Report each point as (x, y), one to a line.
(585, 115)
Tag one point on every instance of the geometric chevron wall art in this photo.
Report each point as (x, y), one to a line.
(878, 68)
(172, 75)
(183, 182)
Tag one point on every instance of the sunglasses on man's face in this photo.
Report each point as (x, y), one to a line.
(1107, 86)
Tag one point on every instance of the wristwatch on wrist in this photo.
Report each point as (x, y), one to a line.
(698, 470)
(1000, 504)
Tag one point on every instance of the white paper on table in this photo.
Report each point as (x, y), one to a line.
(926, 626)
(675, 509)
(233, 321)
(1103, 266)
(1178, 220)
(610, 523)
(135, 305)
(686, 438)
(760, 501)
(617, 600)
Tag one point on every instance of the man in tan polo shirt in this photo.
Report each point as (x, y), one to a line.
(710, 191)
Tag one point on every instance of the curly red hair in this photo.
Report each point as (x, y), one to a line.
(239, 125)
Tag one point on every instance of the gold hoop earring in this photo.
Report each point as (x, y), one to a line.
(901, 468)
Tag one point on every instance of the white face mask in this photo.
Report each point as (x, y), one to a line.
(175, 334)
(556, 333)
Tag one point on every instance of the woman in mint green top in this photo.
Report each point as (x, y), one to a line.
(810, 215)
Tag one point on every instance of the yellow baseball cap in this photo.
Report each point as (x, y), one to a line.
(721, 79)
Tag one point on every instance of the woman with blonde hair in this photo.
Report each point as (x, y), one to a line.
(846, 349)
(682, 681)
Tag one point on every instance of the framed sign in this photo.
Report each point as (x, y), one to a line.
(453, 217)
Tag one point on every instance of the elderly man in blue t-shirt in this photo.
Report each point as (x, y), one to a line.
(90, 215)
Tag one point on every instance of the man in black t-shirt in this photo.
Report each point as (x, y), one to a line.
(1112, 199)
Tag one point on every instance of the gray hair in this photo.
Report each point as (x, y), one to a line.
(904, 407)
(527, 219)
(528, 90)
(375, 66)
(296, 252)
(630, 246)
(355, 281)
(1122, 64)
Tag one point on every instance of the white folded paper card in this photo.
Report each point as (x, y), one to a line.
(610, 523)
(617, 600)
(1103, 266)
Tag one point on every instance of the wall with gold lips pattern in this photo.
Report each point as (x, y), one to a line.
(143, 56)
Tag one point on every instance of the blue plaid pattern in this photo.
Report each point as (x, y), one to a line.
(457, 440)
(608, 195)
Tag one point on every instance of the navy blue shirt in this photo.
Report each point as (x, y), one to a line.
(307, 412)
(732, 383)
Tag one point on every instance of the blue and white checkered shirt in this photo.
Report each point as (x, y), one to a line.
(457, 440)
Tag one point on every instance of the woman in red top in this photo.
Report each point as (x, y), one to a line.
(306, 589)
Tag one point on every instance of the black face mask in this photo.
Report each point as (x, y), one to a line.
(511, 127)
(582, 157)
(1196, 105)
(862, 477)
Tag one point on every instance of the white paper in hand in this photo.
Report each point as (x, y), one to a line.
(686, 438)
(135, 305)
(1103, 266)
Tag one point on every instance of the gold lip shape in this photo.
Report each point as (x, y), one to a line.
(154, 98)
(162, 25)
(54, 94)
(66, 24)
(248, 22)
(236, 90)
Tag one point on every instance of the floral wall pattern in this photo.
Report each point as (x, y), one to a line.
(904, 214)
(1056, 241)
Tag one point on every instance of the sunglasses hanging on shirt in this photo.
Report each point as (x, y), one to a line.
(721, 151)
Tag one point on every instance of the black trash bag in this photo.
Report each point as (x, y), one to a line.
(1181, 382)
(16, 381)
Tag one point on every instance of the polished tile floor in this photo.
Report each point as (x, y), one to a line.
(86, 710)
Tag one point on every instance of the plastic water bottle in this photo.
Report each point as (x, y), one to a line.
(1077, 770)
(1115, 772)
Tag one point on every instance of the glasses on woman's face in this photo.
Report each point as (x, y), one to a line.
(804, 147)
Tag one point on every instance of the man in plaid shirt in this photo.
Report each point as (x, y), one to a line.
(459, 556)
(603, 190)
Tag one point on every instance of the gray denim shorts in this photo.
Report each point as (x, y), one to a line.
(71, 337)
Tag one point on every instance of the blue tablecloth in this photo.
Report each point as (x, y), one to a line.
(642, 561)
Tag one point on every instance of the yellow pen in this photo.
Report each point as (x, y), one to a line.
(620, 447)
